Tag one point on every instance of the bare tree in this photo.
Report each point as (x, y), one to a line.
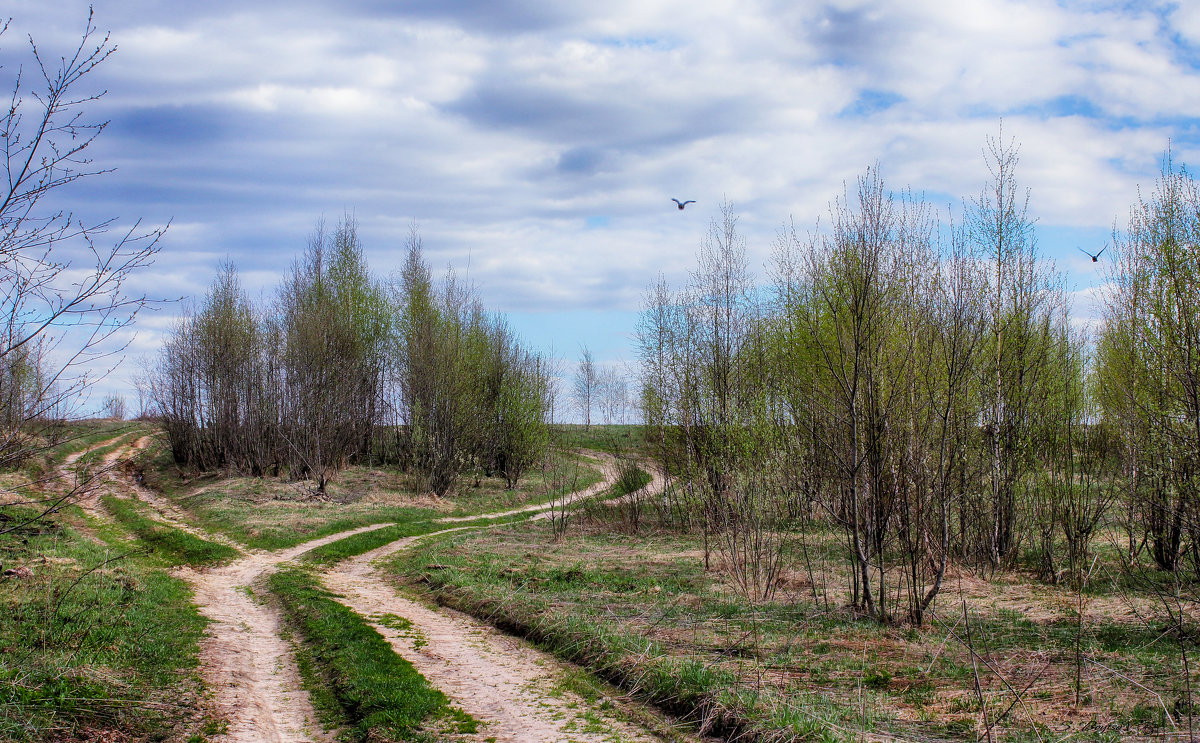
(113, 407)
(585, 385)
(63, 292)
(613, 395)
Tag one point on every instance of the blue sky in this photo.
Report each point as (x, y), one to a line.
(545, 140)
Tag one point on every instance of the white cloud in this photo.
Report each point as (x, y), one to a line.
(503, 128)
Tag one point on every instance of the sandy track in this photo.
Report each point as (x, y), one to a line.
(245, 660)
(251, 668)
(497, 679)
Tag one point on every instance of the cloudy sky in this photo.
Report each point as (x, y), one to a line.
(541, 142)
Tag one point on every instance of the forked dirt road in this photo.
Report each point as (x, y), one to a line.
(510, 688)
(244, 658)
(497, 679)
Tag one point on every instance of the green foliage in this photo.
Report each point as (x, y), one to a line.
(1148, 370)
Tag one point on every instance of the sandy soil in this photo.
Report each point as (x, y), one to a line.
(502, 682)
(245, 660)
(497, 679)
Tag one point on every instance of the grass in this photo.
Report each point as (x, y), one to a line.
(641, 611)
(715, 698)
(631, 479)
(272, 513)
(613, 439)
(380, 695)
(366, 541)
(169, 542)
(58, 441)
(93, 639)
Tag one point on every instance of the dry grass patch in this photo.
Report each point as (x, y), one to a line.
(820, 657)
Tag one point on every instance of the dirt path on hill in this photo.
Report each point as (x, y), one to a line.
(88, 488)
(121, 484)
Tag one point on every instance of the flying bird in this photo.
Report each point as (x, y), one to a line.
(1096, 256)
(683, 203)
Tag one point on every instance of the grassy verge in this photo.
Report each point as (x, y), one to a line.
(642, 611)
(271, 513)
(716, 699)
(566, 474)
(95, 644)
(631, 479)
(380, 695)
(173, 544)
(614, 439)
(368, 540)
(123, 436)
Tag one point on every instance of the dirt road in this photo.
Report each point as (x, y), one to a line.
(514, 691)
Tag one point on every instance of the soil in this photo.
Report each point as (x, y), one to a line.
(245, 660)
(497, 679)
(511, 689)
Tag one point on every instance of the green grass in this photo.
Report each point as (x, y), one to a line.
(381, 696)
(568, 473)
(572, 607)
(635, 608)
(173, 544)
(267, 513)
(366, 541)
(93, 639)
(613, 439)
(57, 442)
(84, 435)
(631, 479)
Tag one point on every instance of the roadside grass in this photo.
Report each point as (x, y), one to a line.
(77, 436)
(642, 612)
(96, 642)
(366, 541)
(273, 513)
(169, 542)
(124, 436)
(630, 479)
(61, 441)
(567, 473)
(379, 695)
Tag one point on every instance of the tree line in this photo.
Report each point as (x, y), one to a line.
(919, 386)
(341, 367)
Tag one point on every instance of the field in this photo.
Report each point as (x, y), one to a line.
(119, 606)
(638, 608)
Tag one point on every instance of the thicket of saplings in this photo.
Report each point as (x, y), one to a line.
(344, 368)
(919, 388)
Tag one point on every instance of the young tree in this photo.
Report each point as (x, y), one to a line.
(1150, 365)
(113, 407)
(64, 297)
(585, 385)
(1024, 304)
(332, 319)
(612, 395)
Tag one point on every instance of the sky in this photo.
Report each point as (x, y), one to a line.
(536, 146)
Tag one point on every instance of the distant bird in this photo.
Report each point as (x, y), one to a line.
(683, 203)
(1096, 256)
